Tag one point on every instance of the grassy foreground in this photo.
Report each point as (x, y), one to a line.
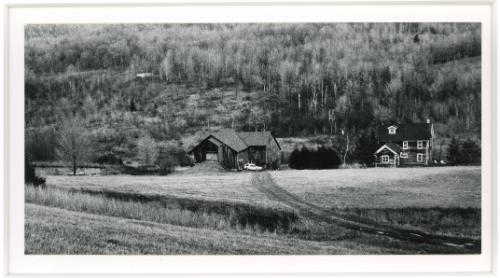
(102, 215)
(58, 231)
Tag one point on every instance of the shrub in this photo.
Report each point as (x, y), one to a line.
(172, 154)
(108, 158)
(322, 158)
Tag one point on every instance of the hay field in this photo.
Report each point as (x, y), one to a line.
(223, 187)
(228, 213)
(444, 187)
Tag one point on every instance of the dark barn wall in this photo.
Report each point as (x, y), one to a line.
(273, 154)
(228, 156)
(200, 152)
(243, 158)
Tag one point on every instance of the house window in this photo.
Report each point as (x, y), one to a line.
(420, 157)
(405, 145)
(420, 144)
(392, 130)
(404, 155)
(385, 159)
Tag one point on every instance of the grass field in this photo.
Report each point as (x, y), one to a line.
(444, 200)
(446, 187)
(225, 187)
(228, 213)
(59, 231)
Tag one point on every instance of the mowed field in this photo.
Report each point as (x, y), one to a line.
(446, 187)
(279, 212)
(219, 187)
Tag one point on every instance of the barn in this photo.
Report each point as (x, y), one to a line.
(233, 149)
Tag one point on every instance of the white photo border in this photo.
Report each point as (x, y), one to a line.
(17, 15)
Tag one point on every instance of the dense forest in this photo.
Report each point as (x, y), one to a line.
(296, 80)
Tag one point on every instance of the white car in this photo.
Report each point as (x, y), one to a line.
(251, 167)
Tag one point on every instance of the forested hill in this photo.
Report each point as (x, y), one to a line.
(287, 78)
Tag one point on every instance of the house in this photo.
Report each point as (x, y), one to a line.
(233, 149)
(404, 144)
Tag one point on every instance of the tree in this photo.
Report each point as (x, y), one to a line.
(332, 121)
(73, 143)
(365, 147)
(132, 106)
(454, 151)
(147, 150)
(470, 153)
(347, 147)
(30, 176)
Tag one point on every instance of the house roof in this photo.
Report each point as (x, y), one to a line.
(391, 146)
(240, 141)
(405, 132)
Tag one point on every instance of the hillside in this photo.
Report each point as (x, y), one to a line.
(281, 77)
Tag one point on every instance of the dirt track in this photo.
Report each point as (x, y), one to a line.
(263, 182)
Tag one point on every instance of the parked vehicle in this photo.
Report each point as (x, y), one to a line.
(252, 167)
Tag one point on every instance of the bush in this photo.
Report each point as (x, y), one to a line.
(108, 158)
(323, 158)
(172, 154)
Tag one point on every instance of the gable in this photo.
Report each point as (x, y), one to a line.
(392, 129)
(391, 147)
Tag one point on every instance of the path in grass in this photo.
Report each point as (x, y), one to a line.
(263, 182)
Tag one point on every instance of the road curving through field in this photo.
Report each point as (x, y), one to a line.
(264, 183)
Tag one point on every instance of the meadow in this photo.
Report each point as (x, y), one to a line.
(443, 200)
(219, 187)
(231, 213)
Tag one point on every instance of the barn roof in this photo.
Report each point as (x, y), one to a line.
(405, 132)
(239, 141)
(257, 138)
(230, 138)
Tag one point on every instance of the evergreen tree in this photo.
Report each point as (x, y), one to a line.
(132, 106)
(30, 176)
(454, 151)
(365, 148)
(470, 153)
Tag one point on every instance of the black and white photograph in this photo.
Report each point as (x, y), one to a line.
(253, 138)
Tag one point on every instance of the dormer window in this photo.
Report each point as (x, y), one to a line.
(392, 129)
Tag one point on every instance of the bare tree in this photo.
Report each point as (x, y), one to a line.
(348, 147)
(147, 150)
(332, 120)
(73, 143)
